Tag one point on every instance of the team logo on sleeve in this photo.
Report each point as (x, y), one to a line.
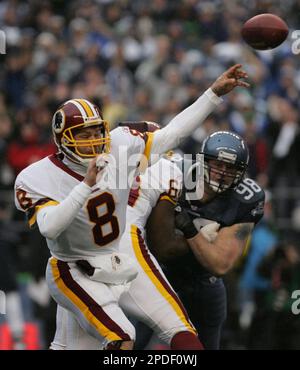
(58, 121)
(259, 209)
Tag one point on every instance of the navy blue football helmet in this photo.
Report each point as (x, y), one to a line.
(226, 158)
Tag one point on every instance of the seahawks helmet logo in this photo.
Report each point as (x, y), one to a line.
(58, 122)
(259, 209)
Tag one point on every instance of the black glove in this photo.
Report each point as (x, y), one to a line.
(184, 223)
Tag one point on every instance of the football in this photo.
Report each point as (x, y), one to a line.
(265, 31)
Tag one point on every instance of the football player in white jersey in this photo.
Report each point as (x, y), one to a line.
(79, 205)
(225, 212)
(150, 298)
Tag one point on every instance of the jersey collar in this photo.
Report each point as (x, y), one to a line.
(67, 166)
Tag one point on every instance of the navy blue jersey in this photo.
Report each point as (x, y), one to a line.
(243, 204)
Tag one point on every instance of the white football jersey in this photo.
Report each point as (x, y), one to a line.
(163, 180)
(98, 226)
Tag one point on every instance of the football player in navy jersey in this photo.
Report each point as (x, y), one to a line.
(215, 230)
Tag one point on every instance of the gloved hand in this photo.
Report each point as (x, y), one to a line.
(184, 222)
(210, 231)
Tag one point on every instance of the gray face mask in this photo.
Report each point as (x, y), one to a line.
(221, 186)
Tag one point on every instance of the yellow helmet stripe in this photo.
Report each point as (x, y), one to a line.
(95, 113)
(78, 106)
(86, 107)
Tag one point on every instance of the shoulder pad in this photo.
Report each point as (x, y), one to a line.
(248, 191)
(252, 199)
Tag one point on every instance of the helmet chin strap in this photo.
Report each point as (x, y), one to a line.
(80, 168)
(76, 158)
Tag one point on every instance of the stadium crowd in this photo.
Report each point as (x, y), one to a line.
(148, 60)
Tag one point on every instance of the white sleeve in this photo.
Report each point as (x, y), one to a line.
(184, 123)
(53, 220)
(162, 181)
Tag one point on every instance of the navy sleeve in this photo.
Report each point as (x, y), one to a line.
(252, 199)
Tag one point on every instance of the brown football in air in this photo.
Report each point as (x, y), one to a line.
(265, 31)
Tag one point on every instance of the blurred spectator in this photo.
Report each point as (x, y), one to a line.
(275, 326)
(6, 174)
(8, 281)
(263, 240)
(119, 79)
(284, 171)
(15, 79)
(28, 148)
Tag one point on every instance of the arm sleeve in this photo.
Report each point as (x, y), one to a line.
(184, 123)
(53, 220)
